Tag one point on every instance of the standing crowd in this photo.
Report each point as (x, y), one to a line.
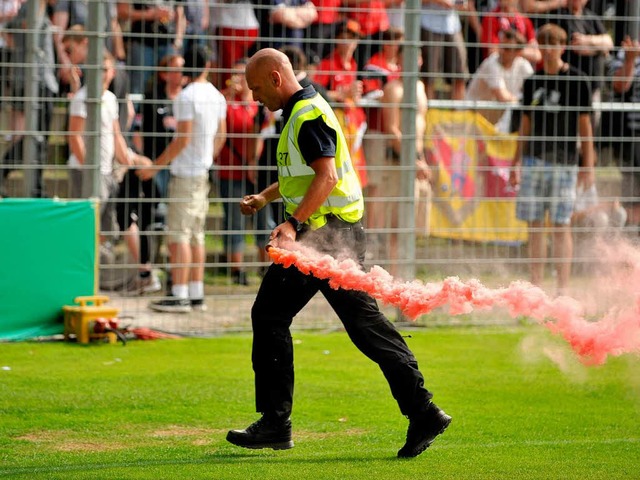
(179, 117)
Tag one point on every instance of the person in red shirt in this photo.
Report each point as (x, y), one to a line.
(338, 73)
(506, 16)
(233, 177)
(384, 66)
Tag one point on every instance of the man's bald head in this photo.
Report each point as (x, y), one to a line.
(271, 78)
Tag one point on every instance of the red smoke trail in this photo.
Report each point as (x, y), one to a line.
(616, 333)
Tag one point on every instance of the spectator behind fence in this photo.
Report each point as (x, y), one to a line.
(236, 27)
(137, 210)
(156, 30)
(283, 22)
(589, 45)
(556, 108)
(384, 65)
(158, 122)
(233, 177)
(8, 10)
(391, 176)
(444, 50)
(500, 78)
(113, 145)
(325, 27)
(75, 44)
(372, 17)
(74, 13)
(196, 24)
(625, 70)
(201, 111)
(42, 105)
(506, 16)
(338, 74)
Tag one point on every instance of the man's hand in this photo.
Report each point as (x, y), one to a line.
(146, 173)
(282, 235)
(250, 204)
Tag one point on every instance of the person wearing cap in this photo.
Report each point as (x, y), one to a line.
(201, 111)
(324, 207)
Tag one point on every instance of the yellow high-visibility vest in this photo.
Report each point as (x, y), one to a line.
(294, 175)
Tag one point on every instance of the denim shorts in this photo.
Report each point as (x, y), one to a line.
(546, 187)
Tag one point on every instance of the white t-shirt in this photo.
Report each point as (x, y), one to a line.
(108, 114)
(202, 104)
(491, 75)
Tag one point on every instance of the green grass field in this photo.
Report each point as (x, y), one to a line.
(161, 410)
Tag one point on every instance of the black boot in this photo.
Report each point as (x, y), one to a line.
(423, 430)
(264, 433)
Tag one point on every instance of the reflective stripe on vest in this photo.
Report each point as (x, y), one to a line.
(295, 175)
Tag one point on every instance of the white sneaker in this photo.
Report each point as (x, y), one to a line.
(150, 284)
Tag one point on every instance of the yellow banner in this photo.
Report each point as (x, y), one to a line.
(472, 198)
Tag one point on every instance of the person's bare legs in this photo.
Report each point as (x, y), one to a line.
(198, 256)
(181, 261)
(537, 251)
(563, 255)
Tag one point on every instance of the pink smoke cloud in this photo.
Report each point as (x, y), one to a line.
(616, 333)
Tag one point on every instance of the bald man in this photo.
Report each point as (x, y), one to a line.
(324, 207)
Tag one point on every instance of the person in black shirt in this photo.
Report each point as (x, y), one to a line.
(556, 108)
(324, 207)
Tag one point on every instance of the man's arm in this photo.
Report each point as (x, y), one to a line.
(586, 176)
(220, 138)
(523, 136)
(250, 204)
(624, 75)
(180, 140)
(294, 17)
(76, 138)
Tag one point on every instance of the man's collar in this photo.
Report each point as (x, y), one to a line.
(306, 92)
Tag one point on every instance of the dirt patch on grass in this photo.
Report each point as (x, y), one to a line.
(61, 441)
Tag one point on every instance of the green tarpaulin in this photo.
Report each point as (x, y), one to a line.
(47, 258)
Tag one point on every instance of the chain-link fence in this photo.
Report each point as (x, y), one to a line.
(432, 101)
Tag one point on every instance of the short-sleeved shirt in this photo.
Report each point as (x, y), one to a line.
(202, 104)
(332, 75)
(554, 104)
(316, 139)
(491, 75)
(108, 115)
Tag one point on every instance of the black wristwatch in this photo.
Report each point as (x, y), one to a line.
(297, 224)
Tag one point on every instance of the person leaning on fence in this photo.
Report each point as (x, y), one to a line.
(200, 110)
(324, 205)
(556, 108)
(500, 78)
